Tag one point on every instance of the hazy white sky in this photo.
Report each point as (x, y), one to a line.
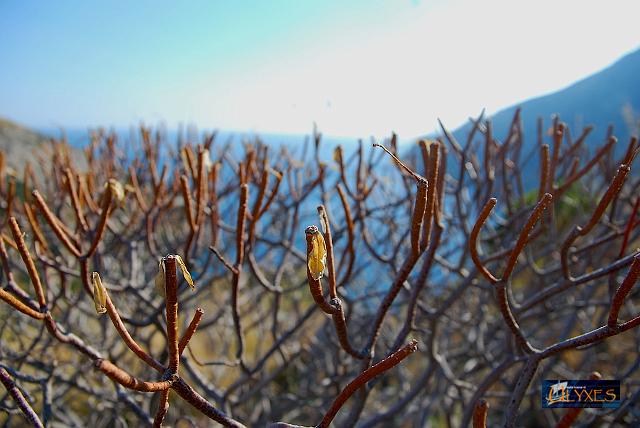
(356, 68)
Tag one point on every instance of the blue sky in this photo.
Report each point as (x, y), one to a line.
(357, 68)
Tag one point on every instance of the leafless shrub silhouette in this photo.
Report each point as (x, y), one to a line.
(409, 255)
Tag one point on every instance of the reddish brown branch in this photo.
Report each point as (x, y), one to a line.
(400, 164)
(116, 374)
(350, 249)
(524, 234)
(418, 216)
(480, 414)
(622, 291)
(35, 227)
(191, 329)
(10, 198)
(364, 377)
(614, 188)
(273, 194)
(429, 215)
(509, 318)
(572, 414)
(28, 262)
(102, 222)
(315, 287)
(473, 239)
(558, 136)
(75, 200)
(18, 305)
(331, 270)
(54, 223)
(21, 402)
(255, 212)
(630, 225)
(171, 304)
(596, 158)
(136, 188)
(128, 340)
(544, 170)
(186, 196)
(220, 257)
(163, 408)
(236, 275)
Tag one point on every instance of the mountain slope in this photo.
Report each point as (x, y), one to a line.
(611, 96)
(20, 144)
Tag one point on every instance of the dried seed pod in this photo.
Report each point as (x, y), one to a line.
(99, 294)
(317, 258)
(185, 272)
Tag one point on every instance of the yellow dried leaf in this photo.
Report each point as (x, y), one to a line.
(207, 160)
(185, 159)
(337, 154)
(317, 258)
(185, 272)
(275, 172)
(117, 191)
(99, 293)
(159, 280)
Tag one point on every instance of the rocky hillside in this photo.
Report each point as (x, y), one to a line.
(20, 144)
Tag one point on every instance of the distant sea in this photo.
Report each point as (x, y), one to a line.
(129, 140)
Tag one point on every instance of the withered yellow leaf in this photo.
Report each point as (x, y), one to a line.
(275, 172)
(99, 293)
(337, 154)
(159, 280)
(208, 164)
(317, 258)
(185, 272)
(117, 190)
